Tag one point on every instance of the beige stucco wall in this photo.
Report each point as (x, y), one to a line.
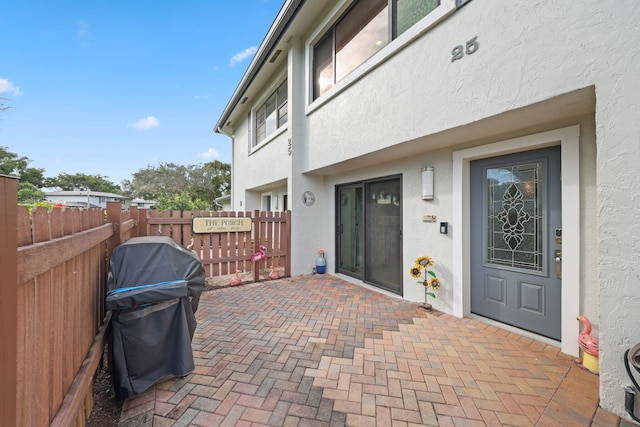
(540, 65)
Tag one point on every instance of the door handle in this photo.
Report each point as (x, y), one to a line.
(558, 256)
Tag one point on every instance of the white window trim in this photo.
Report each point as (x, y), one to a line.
(446, 8)
(268, 139)
(569, 140)
(259, 103)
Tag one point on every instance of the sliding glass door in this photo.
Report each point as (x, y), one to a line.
(351, 230)
(369, 232)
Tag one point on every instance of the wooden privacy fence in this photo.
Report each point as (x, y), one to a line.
(222, 252)
(53, 274)
(226, 252)
(53, 278)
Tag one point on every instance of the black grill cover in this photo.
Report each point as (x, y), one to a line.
(154, 289)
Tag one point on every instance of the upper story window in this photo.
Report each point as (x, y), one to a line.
(367, 27)
(271, 115)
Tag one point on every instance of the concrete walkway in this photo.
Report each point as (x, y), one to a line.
(319, 351)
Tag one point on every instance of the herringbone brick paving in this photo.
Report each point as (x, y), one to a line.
(318, 351)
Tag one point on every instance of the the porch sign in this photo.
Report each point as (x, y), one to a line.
(221, 225)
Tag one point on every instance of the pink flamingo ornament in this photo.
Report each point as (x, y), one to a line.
(236, 280)
(273, 275)
(588, 343)
(259, 256)
(590, 347)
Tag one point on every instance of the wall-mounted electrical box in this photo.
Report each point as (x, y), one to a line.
(444, 227)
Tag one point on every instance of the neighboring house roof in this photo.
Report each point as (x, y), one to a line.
(80, 204)
(86, 193)
(222, 200)
(139, 200)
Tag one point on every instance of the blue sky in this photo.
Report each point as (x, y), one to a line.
(109, 87)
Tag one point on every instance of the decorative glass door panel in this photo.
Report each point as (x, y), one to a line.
(515, 216)
(515, 210)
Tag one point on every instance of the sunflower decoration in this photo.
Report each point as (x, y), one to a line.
(426, 277)
(424, 261)
(416, 271)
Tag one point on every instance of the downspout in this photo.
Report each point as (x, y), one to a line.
(233, 140)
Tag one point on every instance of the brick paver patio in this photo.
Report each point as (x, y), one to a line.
(319, 351)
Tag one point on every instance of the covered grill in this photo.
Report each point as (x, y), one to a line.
(154, 287)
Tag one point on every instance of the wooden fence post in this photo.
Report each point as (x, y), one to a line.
(287, 266)
(114, 216)
(256, 243)
(8, 299)
(134, 216)
(142, 222)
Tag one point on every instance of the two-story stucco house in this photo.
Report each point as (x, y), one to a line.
(500, 138)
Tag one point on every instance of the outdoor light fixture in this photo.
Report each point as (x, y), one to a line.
(427, 183)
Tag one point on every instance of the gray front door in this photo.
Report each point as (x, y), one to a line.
(516, 238)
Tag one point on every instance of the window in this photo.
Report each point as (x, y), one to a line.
(364, 29)
(266, 202)
(409, 12)
(272, 114)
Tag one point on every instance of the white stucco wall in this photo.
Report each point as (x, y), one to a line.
(423, 238)
(262, 170)
(533, 58)
(618, 194)
(419, 91)
(529, 52)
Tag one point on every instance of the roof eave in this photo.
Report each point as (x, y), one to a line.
(275, 33)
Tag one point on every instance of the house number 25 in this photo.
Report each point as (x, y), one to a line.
(470, 48)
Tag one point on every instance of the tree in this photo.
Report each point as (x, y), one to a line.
(12, 164)
(169, 180)
(33, 176)
(29, 194)
(212, 180)
(181, 201)
(80, 181)
(162, 181)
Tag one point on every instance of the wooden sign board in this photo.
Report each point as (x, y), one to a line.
(221, 225)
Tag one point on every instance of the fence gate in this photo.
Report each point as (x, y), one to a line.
(223, 243)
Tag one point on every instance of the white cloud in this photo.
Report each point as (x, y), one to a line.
(241, 56)
(211, 153)
(6, 86)
(146, 123)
